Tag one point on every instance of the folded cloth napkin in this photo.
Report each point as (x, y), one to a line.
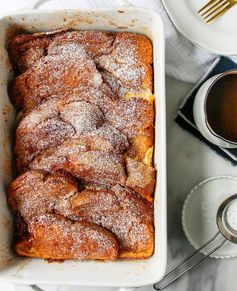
(185, 114)
(184, 61)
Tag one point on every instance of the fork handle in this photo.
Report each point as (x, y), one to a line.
(164, 283)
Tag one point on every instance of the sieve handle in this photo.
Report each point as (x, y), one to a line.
(164, 283)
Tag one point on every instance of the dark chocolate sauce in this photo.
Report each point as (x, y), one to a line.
(221, 107)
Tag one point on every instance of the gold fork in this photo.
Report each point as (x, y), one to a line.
(215, 8)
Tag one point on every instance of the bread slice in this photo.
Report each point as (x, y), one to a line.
(120, 210)
(55, 74)
(35, 193)
(53, 122)
(38, 194)
(89, 166)
(141, 144)
(128, 66)
(140, 177)
(57, 238)
(131, 116)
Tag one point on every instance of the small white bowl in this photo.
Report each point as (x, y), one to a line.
(200, 113)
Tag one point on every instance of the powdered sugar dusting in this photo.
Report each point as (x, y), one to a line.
(79, 240)
(53, 123)
(35, 193)
(131, 116)
(83, 116)
(57, 73)
(119, 210)
(77, 119)
(92, 166)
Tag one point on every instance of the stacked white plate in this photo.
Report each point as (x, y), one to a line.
(219, 37)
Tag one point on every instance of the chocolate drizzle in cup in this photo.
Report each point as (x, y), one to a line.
(221, 107)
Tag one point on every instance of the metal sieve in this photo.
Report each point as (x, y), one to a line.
(225, 231)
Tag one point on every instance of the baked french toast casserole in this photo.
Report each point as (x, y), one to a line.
(83, 145)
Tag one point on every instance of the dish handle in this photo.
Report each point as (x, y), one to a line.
(37, 288)
(34, 4)
(123, 3)
(127, 289)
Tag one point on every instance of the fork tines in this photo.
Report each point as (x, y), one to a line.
(214, 9)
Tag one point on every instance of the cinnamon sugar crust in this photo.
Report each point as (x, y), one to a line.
(78, 240)
(119, 210)
(83, 145)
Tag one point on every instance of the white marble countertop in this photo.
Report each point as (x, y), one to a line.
(189, 162)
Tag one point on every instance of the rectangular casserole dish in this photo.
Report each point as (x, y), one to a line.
(126, 273)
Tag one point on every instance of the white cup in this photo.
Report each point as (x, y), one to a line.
(200, 113)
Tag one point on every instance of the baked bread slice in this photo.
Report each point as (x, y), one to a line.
(89, 166)
(128, 66)
(35, 193)
(140, 177)
(26, 49)
(54, 237)
(131, 116)
(141, 145)
(84, 145)
(52, 123)
(58, 73)
(120, 210)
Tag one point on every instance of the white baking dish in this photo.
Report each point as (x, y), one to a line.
(121, 273)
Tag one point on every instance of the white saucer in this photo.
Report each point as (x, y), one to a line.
(219, 36)
(199, 213)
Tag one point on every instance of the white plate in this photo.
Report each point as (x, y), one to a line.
(199, 214)
(218, 37)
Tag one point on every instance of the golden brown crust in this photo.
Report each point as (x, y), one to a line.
(140, 177)
(56, 238)
(36, 192)
(90, 166)
(141, 143)
(120, 210)
(86, 110)
(51, 124)
(55, 74)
